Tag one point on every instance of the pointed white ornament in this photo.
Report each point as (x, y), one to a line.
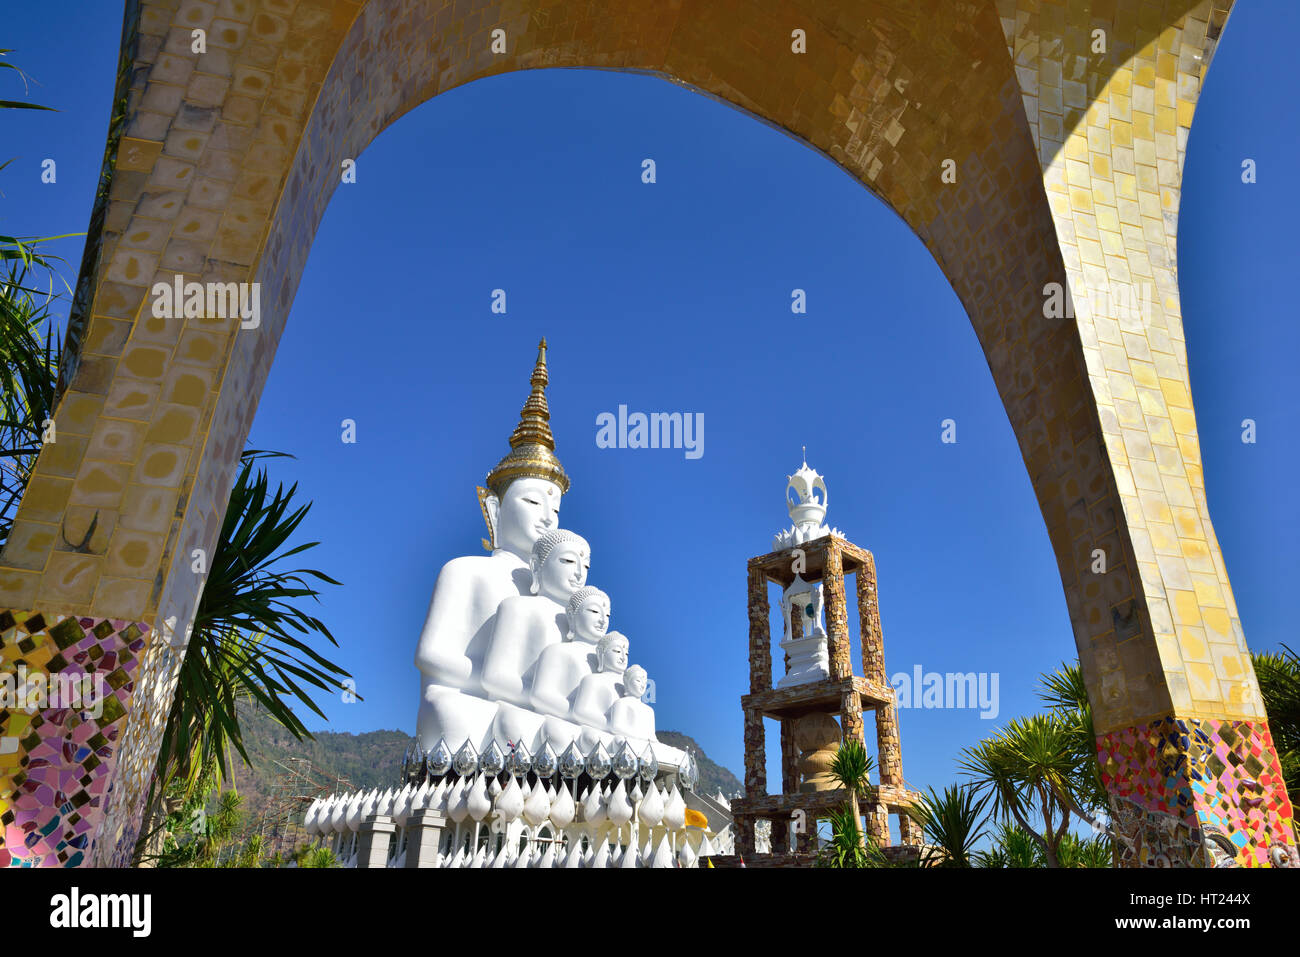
(477, 801)
(538, 805)
(601, 858)
(651, 811)
(675, 810)
(509, 803)
(663, 854)
(562, 808)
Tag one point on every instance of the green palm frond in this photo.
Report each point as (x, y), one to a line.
(953, 823)
(851, 769)
(18, 104)
(1080, 852)
(1012, 848)
(249, 640)
(29, 368)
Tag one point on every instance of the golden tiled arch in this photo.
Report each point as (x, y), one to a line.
(1067, 163)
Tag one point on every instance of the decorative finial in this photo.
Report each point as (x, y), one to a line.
(532, 446)
(807, 508)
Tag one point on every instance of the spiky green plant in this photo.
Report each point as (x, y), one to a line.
(249, 643)
(318, 857)
(851, 769)
(1077, 851)
(29, 369)
(1030, 768)
(249, 638)
(953, 823)
(1012, 848)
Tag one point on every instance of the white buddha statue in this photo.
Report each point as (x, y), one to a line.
(598, 691)
(493, 659)
(525, 625)
(520, 503)
(629, 716)
(561, 667)
(586, 618)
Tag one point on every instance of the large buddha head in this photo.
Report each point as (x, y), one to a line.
(522, 498)
(560, 562)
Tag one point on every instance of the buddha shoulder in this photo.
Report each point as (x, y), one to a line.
(468, 568)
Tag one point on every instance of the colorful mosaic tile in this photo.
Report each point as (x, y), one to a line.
(57, 763)
(1193, 791)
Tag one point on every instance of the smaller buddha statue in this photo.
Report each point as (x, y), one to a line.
(562, 666)
(526, 624)
(586, 618)
(629, 716)
(600, 689)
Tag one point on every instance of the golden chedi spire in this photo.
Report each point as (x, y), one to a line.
(532, 446)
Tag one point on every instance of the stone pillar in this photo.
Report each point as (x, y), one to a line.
(745, 835)
(781, 836)
(877, 816)
(888, 748)
(425, 829)
(760, 679)
(374, 836)
(837, 621)
(755, 755)
(760, 634)
(870, 636)
(851, 721)
(789, 759)
(909, 831)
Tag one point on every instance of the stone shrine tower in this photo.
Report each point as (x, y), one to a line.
(810, 562)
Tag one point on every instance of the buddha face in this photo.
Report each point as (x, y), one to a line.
(634, 680)
(613, 653)
(564, 571)
(592, 619)
(529, 508)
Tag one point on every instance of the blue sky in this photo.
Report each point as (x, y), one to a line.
(676, 297)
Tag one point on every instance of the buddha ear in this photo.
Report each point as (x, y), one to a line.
(490, 505)
(535, 587)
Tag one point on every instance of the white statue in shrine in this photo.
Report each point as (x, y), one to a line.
(629, 716)
(520, 503)
(807, 656)
(598, 691)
